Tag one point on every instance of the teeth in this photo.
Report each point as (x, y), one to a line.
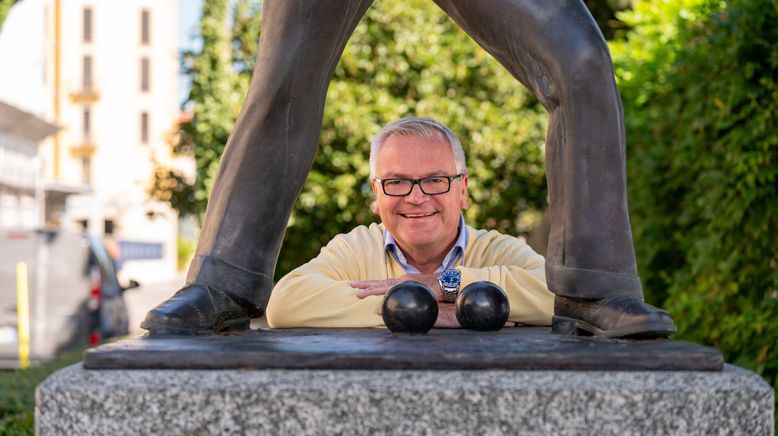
(417, 215)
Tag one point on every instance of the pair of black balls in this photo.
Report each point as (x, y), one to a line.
(411, 307)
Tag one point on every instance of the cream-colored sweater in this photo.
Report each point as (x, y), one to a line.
(318, 293)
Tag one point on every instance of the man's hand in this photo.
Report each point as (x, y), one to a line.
(447, 316)
(379, 287)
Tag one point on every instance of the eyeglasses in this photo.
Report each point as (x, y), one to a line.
(433, 185)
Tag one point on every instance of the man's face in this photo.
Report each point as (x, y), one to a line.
(417, 221)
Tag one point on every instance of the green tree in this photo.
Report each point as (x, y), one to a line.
(214, 99)
(5, 7)
(408, 58)
(405, 58)
(699, 79)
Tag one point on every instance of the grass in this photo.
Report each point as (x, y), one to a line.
(17, 393)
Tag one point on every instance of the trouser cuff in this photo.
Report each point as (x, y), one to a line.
(591, 284)
(249, 289)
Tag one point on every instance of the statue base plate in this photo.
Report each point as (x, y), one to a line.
(520, 348)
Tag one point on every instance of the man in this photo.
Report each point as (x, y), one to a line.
(553, 47)
(419, 177)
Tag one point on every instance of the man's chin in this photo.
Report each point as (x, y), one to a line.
(419, 229)
(419, 238)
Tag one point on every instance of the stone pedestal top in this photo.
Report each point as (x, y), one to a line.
(523, 348)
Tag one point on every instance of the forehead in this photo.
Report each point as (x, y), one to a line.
(415, 156)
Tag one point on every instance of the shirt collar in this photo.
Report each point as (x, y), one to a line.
(456, 252)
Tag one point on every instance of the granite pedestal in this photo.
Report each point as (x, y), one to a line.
(386, 400)
(75, 401)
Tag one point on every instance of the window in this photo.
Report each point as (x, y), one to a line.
(144, 127)
(145, 23)
(108, 226)
(87, 25)
(86, 170)
(87, 73)
(87, 124)
(145, 66)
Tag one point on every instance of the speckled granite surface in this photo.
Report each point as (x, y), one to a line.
(74, 401)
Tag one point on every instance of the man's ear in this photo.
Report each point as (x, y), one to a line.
(465, 201)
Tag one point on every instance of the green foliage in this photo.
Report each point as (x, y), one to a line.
(17, 393)
(186, 250)
(408, 58)
(405, 58)
(606, 14)
(699, 79)
(215, 98)
(5, 7)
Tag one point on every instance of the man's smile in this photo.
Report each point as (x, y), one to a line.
(417, 214)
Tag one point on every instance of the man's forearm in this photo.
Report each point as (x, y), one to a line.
(310, 300)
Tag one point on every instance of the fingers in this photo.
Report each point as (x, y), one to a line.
(365, 284)
(366, 288)
(361, 284)
(363, 293)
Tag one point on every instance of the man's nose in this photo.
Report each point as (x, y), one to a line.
(416, 195)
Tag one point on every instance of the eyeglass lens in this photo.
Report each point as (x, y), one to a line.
(429, 186)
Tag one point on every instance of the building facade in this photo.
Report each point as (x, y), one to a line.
(106, 72)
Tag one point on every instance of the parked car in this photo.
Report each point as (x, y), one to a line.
(75, 298)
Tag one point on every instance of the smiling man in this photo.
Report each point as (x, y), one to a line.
(419, 177)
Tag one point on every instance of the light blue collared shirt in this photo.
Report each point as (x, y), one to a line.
(456, 252)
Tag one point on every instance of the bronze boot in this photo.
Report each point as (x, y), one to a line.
(613, 317)
(197, 310)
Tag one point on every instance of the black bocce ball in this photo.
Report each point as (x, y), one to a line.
(409, 307)
(482, 306)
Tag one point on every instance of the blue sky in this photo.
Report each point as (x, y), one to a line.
(188, 17)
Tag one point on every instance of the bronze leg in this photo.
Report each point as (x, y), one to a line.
(272, 146)
(263, 167)
(555, 49)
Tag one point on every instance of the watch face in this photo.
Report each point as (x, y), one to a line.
(450, 278)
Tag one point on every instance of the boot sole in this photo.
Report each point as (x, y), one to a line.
(227, 327)
(575, 327)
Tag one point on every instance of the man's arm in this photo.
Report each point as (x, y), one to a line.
(319, 294)
(511, 264)
(501, 259)
(446, 313)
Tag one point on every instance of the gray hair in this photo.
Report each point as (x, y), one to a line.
(422, 127)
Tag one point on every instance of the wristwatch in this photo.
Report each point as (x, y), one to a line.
(449, 282)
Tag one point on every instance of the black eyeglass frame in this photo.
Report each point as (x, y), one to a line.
(417, 182)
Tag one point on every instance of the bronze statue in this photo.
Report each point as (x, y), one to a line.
(553, 47)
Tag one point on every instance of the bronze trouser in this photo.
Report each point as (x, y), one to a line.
(552, 46)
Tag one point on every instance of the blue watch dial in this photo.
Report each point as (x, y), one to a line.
(450, 278)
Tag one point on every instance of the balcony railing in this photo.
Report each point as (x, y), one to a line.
(84, 149)
(84, 96)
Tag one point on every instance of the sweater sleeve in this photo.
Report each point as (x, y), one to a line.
(318, 293)
(511, 264)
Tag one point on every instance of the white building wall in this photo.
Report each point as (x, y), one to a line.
(120, 164)
(22, 58)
